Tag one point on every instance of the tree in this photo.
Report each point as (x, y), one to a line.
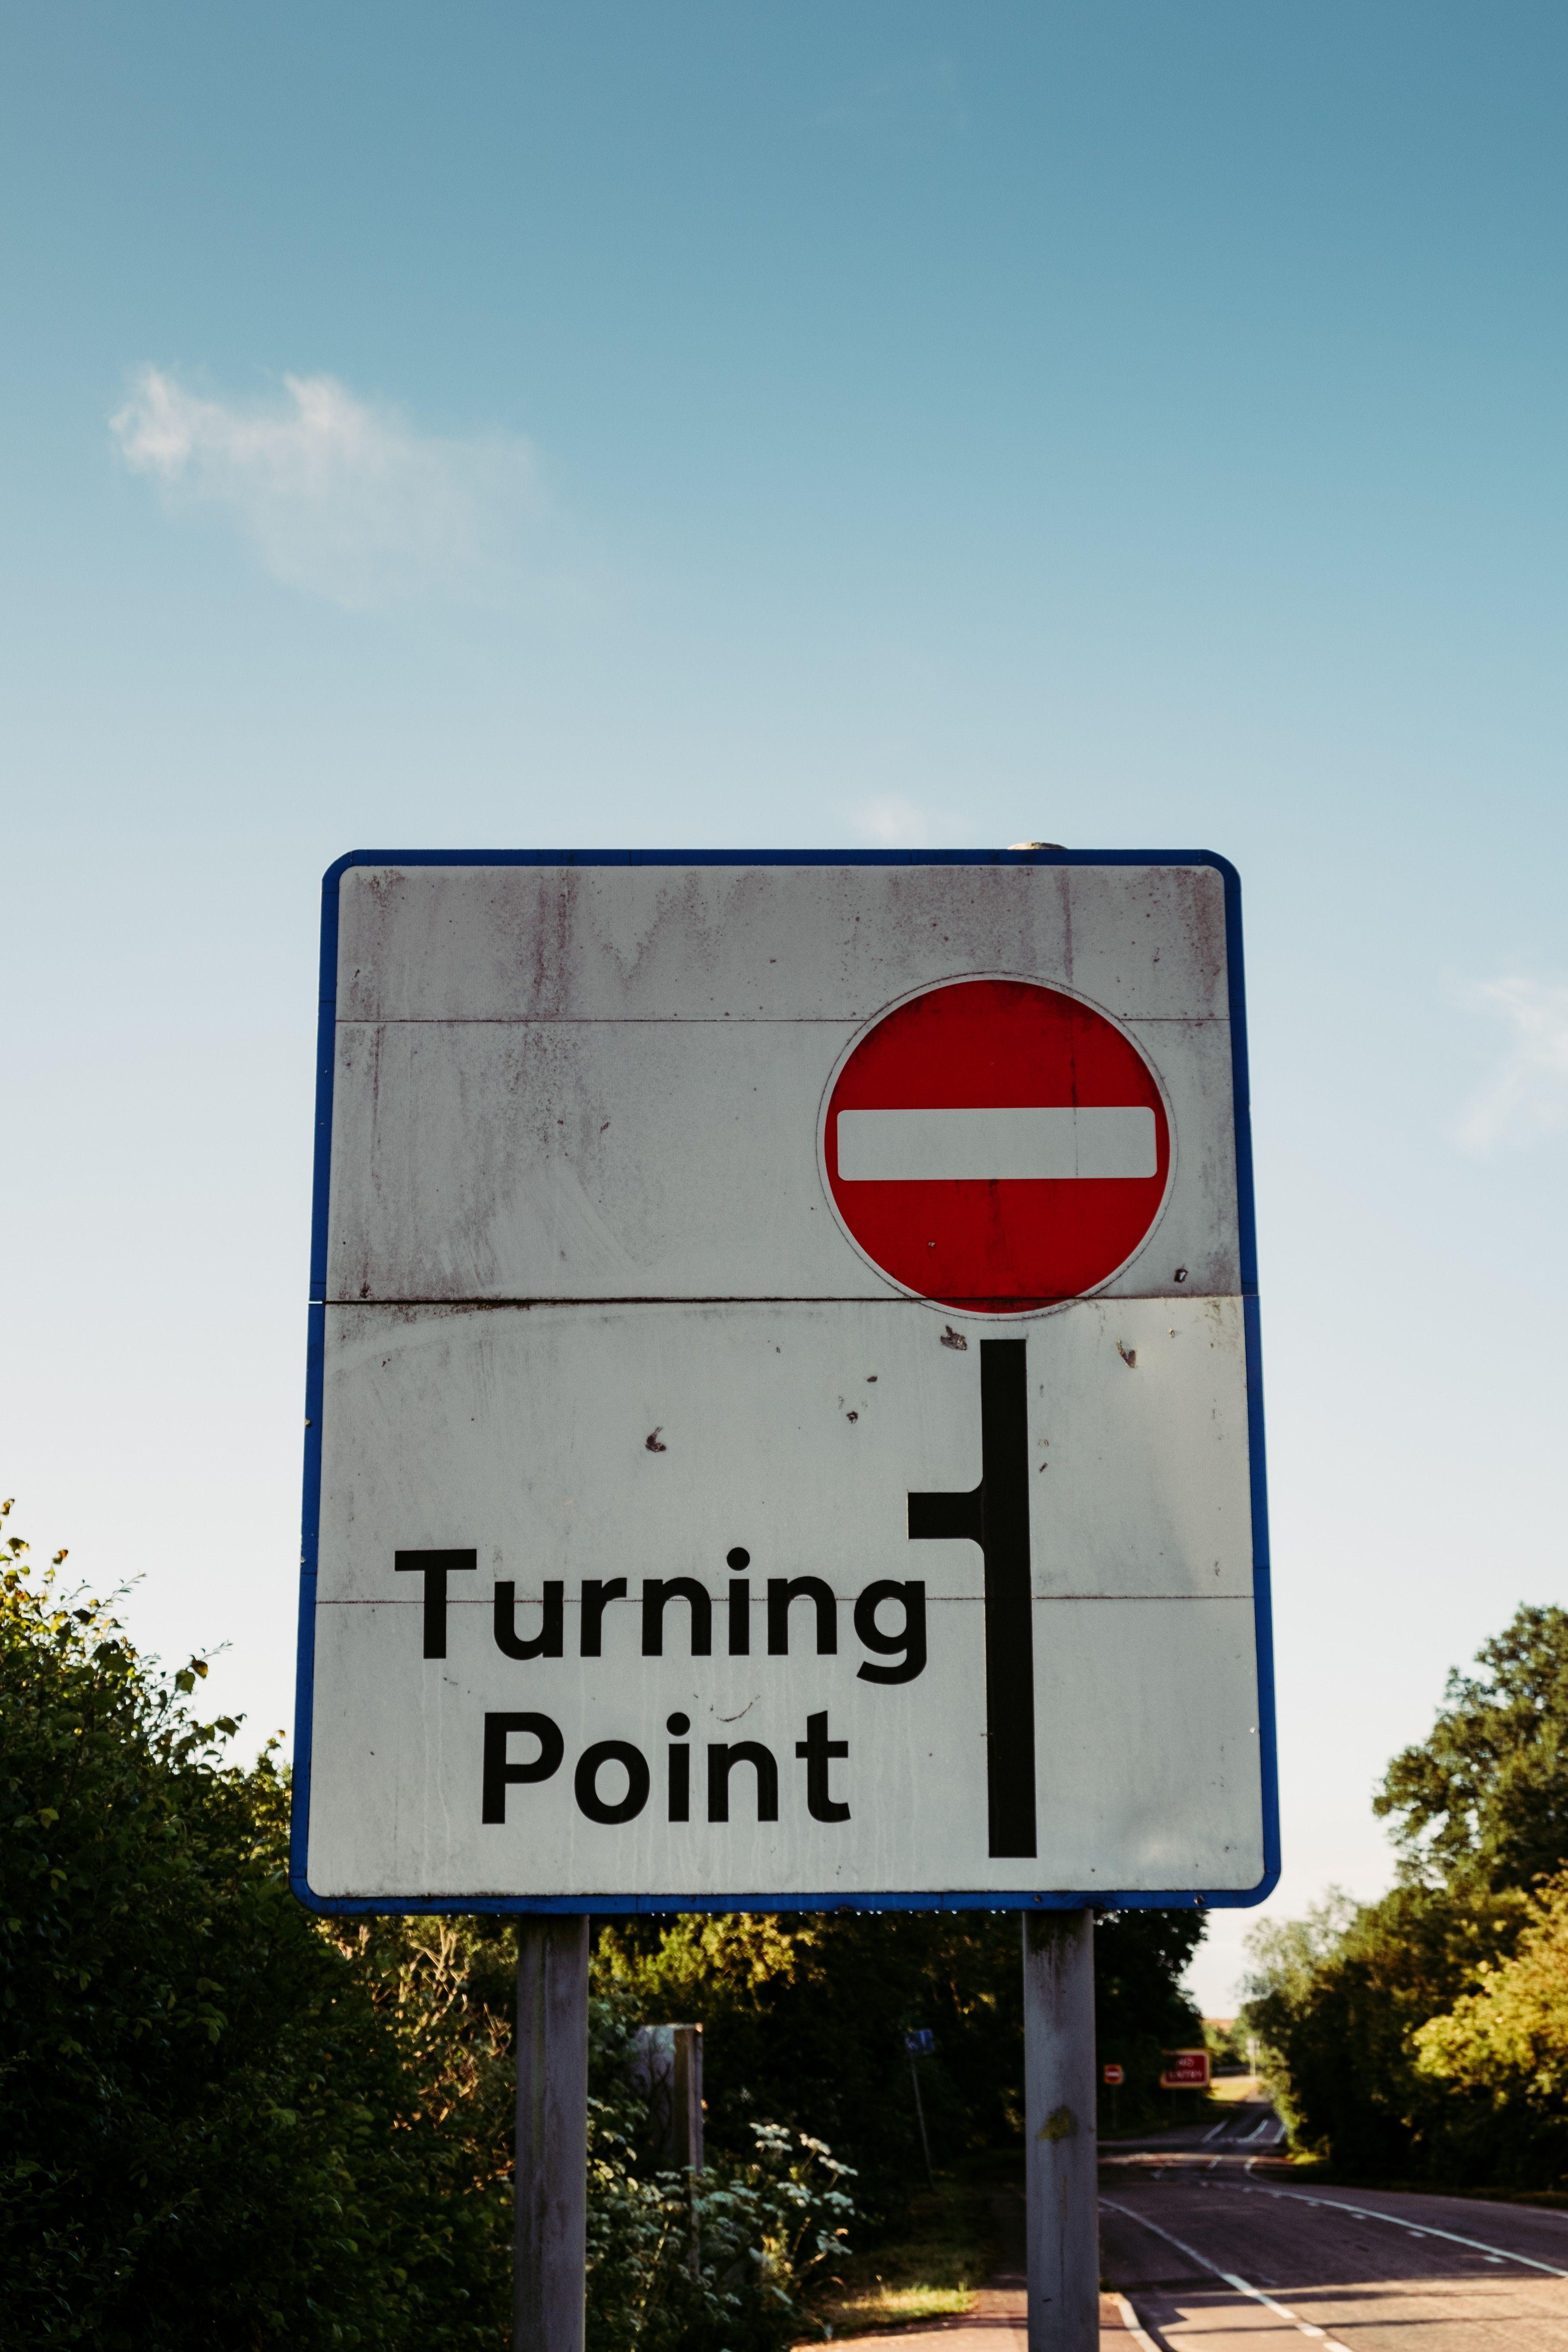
(1140, 2007)
(1482, 1803)
(214, 2134)
(1501, 2053)
(1357, 2004)
(228, 2125)
(1335, 1998)
(805, 2020)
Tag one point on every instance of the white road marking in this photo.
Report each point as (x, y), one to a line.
(996, 1145)
(1366, 2213)
(1330, 2343)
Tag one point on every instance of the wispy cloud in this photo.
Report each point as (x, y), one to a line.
(893, 824)
(342, 496)
(1527, 1096)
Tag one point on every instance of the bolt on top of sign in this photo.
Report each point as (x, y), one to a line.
(784, 1411)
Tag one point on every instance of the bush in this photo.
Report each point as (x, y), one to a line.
(713, 2261)
(230, 2126)
(216, 2130)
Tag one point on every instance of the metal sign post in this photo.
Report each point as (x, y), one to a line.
(1060, 2138)
(783, 1423)
(551, 2175)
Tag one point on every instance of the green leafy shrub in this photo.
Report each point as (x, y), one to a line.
(227, 2126)
(716, 2261)
(215, 2131)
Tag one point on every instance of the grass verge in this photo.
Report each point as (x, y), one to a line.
(928, 2268)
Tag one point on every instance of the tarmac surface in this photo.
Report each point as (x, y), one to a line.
(1209, 2243)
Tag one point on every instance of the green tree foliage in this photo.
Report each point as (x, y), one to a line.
(227, 2126)
(1482, 1803)
(1356, 2003)
(215, 2132)
(1141, 2009)
(1228, 2046)
(805, 2021)
(1501, 2053)
(711, 2261)
(1336, 1998)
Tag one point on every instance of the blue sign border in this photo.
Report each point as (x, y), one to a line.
(1126, 1900)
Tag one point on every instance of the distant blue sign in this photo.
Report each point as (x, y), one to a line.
(919, 2045)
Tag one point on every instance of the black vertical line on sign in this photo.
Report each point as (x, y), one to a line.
(995, 1516)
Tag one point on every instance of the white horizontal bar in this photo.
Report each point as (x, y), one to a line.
(925, 1146)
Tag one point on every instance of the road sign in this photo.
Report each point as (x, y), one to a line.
(1113, 2076)
(921, 2042)
(1185, 2070)
(783, 1425)
(997, 1145)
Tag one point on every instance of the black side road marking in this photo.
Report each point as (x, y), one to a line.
(995, 1516)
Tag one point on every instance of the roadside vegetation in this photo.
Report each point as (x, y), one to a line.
(1424, 2037)
(228, 2125)
(947, 2242)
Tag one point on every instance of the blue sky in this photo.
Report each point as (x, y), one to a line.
(1112, 424)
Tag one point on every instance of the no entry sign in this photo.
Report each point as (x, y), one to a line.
(784, 1425)
(997, 1145)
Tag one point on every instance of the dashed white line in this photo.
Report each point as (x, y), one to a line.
(1330, 2343)
(1398, 2221)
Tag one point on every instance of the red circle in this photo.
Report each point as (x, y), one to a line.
(996, 1245)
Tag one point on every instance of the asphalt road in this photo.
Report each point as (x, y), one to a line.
(1217, 2250)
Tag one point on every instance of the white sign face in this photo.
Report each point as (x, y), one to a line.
(784, 1412)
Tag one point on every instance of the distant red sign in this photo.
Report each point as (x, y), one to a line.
(1114, 2076)
(1185, 2070)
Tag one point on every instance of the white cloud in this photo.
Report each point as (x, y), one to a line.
(893, 824)
(341, 497)
(1528, 1094)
